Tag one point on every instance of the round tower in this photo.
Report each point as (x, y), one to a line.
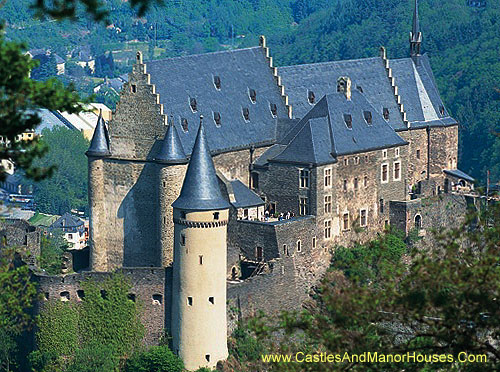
(199, 325)
(171, 161)
(97, 152)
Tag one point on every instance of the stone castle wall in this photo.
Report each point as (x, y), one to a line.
(149, 286)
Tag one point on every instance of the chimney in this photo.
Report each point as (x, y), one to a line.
(344, 86)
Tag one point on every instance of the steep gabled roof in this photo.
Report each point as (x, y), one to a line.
(200, 190)
(67, 221)
(220, 84)
(416, 86)
(324, 133)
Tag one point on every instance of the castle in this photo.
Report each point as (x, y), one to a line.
(240, 210)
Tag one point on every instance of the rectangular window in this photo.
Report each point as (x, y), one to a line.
(366, 158)
(345, 185)
(314, 242)
(328, 204)
(385, 173)
(418, 153)
(190, 301)
(346, 161)
(299, 246)
(303, 206)
(356, 184)
(396, 152)
(328, 229)
(384, 154)
(259, 253)
(201, 260)
(356, 160)
(328, 177)
(362, 218)
(345, 221)
(304, 178)
(381, 205)
(397, 171)
(365, 181)
(211, 300)
(183, 239)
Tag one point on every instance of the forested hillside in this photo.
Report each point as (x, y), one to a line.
(463, 43)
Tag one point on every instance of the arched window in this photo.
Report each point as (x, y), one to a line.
(418, 222)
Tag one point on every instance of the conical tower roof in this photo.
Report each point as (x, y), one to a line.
(200, 190)
(99, 146)
(171, 151)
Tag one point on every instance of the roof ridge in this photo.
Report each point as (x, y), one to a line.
(326, 62)
(201, 54)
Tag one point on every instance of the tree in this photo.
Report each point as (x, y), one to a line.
(46, 69)
(67, 188)
(444, 303)
(17, 293)
(156, 359)
(52, 249)
(20, 98)
(94, 357)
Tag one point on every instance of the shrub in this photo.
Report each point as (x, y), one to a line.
(94, 357)
(156, 359)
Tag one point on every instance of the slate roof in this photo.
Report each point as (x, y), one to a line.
(200, 190)
(458, 174)
(67, 221)
(49, 120)
(245, 197)
(181, 79)
(99, 146)
(416, 86)
(171, 151)
(323, 134)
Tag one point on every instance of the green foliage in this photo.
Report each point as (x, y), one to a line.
(365, 263)
(67, 188)
(109, 317)
(46, 69)
(93, 334)
(244, 346)
(17, 293)
(58, 328)
(445, 302)
(21, 95)
(94, 357)
(156, 359)
(52, 249)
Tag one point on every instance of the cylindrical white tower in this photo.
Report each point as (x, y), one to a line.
(199, 325)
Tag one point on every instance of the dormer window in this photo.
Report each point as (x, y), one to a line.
(348, 120)
(360, 88)
(310, 97)
(441, 110)
(368, 117)
(274, 109)
(385, 112)
(246, 113)
(217, 82)
(217, 118)
(253, 95)
(184, 124)
(133, 88)
(193, 104)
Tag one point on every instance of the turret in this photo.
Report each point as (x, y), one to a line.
(415, 35)
(98, 151)
(199, 326)
(99, 145)
(171, 161)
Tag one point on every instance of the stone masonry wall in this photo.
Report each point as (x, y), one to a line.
(145, 282)
(20, 234)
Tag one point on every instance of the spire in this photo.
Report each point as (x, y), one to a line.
(200, 190)
(99, 146)
(171, 151)
(415, 34)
